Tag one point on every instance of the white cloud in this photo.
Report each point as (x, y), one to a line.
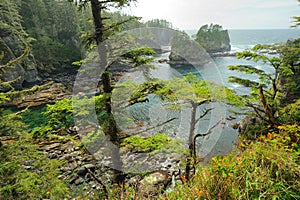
(276, 4)
(191, 14)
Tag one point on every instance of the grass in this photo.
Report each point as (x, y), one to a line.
(260, 172)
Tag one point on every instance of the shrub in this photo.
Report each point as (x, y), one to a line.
(260, 172)
(25, 172)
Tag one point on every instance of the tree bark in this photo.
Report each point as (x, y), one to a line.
(267, 108)
(191, 155)
(111, 129)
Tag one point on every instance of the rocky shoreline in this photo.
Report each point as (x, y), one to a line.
(83, 169)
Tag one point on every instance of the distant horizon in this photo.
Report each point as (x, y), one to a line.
(241, 29)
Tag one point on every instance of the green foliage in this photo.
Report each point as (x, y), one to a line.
(36, 179)
(266, 92)
(3, 98)
(287, 137)
(296, 21)
(161, 23)
(14, 45)
(25, 172)
(140, 56)
(291, 80)
(41, 131)
(60, 114)
(260, 172)
(33, 117)
(55, 27)
(187, 90)
(152, 144)
(94, 140)
(212, 38)
(277, 101)
(290, 114)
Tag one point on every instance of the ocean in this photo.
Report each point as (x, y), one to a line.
(242, 40)
(221, 141)
(250, 37)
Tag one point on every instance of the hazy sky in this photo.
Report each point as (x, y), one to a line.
(231, 14)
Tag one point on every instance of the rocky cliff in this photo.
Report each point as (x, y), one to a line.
(185, 51)
(213, 38)
(17, 66)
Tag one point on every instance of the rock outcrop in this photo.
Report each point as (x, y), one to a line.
(93, 173)
(18, 67)
(185, 51)
(213, 38)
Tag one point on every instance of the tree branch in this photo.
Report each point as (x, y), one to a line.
(203, 135)
(204, 114)
(208, 132)
(120, 23)
(99, 181)
(267, 108)
(150, 128)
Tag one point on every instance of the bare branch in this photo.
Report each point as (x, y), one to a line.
(108, 1)
(203, 101)
(208, 132)
(120, 23)
(150, 128)
(99, 181)
(105, 18)
(203, 115)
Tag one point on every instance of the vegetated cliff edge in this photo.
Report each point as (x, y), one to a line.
(214, 40)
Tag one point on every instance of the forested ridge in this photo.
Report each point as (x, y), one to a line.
(50, 147)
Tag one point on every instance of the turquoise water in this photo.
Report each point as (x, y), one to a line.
(240, 40)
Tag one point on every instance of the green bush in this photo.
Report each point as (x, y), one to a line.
(61, 114)
(25, 172)
(34, 117)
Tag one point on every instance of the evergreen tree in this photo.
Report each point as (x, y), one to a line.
(102, 30)
(55, 28)
(190, 93)
(273, 89)
(14, 45)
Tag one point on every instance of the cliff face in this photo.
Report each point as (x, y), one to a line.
(17, 66)
(21, 72)
(213, 38)
(185, 51)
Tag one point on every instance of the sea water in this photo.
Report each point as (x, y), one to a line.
(240, 40)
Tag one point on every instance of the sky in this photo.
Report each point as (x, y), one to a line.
(231, 14)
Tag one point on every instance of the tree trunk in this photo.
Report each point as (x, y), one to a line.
(267, 108)
(111, 129)
(191, 155)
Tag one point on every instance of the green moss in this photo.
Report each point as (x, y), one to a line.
(152, 144)
(34, 117)
(25, 172)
